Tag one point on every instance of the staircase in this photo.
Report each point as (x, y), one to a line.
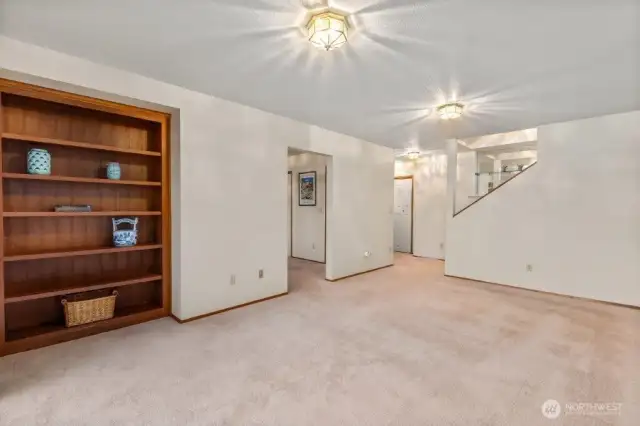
(496, 180)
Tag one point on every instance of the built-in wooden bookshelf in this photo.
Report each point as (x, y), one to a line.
(47, 255)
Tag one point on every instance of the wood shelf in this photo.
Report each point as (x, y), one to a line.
(78, 179)
(80, 214)
(72, 144)
(45, 254)
(58, 332)
(22, 296)
(78, 252)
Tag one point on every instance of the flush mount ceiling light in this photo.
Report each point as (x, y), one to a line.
(413, 155)
(328, 30)
(450, 111)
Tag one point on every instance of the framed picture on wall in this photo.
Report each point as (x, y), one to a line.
(307, 189)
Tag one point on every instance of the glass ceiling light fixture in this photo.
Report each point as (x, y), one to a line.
(328, 30)
(413, 155)
(450, 111)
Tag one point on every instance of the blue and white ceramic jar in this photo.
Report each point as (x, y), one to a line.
(38, 162)
(113, 171)
(125, 237)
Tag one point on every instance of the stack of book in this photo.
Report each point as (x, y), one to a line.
(73, 208)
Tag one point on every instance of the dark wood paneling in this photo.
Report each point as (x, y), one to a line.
(74, 286)
(115, 150)
(43, 196)
(45, 255)
(41, 234)
(47, 312)
(2, 290)
(37, 253)
(74, 100)
(77, 162)
(36, 117)
(75, 179)
(32, 338)
(47, 274)
(109, 213)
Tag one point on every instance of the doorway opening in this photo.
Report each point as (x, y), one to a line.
(308, 193)
(403, 214)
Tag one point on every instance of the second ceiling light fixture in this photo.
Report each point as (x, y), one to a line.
(328, 30)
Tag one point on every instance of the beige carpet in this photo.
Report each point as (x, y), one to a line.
(401, 346)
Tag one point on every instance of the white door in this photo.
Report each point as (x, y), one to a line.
(402, 215)
(289, 195)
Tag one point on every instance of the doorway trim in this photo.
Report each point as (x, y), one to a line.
(413, 189)
(326, 203)
(297, 192)
(290, 174)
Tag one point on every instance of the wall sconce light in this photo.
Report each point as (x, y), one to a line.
(328, 30)
(450, 111)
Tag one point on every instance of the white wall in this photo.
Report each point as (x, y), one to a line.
(429, 202)
(574, 217)
(308, 222)
(229, 183)
(466, 183)
(500, 139)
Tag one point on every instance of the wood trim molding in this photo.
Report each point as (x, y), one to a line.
(497, 188)
(308, 260)
(326, 204)
(290, 175)
(324, 210)
(166, 220)
(359, 273)
(413, 198)
(228, 309)
(568, 296)
(59, 96)
(2, 290)
(428, 258)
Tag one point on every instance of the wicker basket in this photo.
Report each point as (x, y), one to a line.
(86, 311)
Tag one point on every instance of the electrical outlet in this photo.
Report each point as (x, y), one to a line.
(529, 267)
(260, 273)
(232, 281)
(313, 246)
(442, 245)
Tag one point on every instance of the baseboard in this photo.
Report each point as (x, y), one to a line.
(359, 273)
(181, 321)
(621, 305)
(308, 260)
(428, 258)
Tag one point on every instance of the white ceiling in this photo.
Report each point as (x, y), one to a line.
(516, 63)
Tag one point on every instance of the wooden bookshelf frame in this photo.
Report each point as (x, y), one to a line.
(43, 255)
